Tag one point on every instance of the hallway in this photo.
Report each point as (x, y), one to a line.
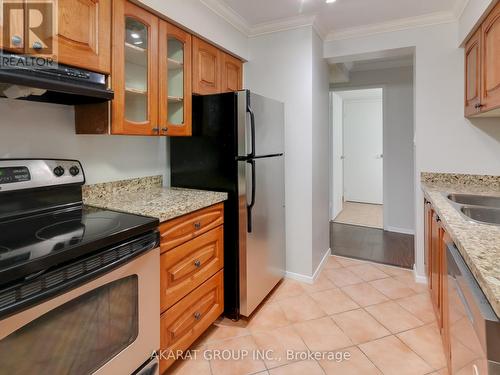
(363, 214)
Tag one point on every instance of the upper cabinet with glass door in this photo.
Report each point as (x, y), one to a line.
(175, 81)
(135, 52)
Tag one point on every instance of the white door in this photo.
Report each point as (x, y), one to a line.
(363, 150)
(337, 156)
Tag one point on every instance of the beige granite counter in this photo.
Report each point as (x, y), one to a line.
(146, 196)
(479, 244)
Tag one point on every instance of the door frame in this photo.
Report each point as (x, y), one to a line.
(384, 148)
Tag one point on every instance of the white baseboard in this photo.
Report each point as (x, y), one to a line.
(419, 279)
(310, 279)
(400, 230)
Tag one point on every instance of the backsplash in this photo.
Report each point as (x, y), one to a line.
(461, 179)
(133, 185)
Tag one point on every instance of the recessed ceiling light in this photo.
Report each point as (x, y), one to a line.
(135, 35)
(330, 1)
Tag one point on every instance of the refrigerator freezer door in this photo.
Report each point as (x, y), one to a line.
(262, 252)
(269, 118)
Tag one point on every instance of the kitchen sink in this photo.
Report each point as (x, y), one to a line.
(482, 214)
(475, 200)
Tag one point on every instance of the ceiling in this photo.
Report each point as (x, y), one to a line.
(342, 15)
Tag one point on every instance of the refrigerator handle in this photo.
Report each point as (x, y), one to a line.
(252, 201)
(252, 127)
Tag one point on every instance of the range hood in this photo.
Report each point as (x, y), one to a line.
(60, 84)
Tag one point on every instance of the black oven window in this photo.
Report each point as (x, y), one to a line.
(77, 337)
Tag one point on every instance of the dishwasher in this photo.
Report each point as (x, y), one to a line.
(474, 326)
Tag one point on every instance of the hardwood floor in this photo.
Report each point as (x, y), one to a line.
(372, 244)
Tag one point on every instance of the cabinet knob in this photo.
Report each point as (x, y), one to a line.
(164, 129)
(197, 315)
(479, 106)
(37, 45)
(16, 40)
(197, 225)
(156, 130)
(197, 263)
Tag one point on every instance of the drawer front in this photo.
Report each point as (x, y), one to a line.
(184, 322)
(189, 265)
(177, 231)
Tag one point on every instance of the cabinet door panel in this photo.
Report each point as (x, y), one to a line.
(472, 74)
(206, 68)
(490, 90)
(189, 265)
(184, 322)
(175, 81)
(83, 34)
(135, 70)
(12, 20)
(232, 71)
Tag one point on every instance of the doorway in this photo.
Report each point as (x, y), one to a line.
(358, 174)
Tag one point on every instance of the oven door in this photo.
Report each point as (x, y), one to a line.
(107, 326)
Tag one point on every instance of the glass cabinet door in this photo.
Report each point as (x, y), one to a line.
(134, 74)
(175, 81)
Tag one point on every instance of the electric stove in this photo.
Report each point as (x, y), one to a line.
(44, 224)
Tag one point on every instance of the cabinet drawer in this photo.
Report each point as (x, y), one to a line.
(177, 231)
(189, 265)
(184, 322)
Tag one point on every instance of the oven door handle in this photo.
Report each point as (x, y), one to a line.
(72, 275)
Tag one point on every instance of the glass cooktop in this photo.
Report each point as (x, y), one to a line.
(36, 243)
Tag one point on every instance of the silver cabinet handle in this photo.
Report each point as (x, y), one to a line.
(17, 40)
(197, 315)
(37, 45)
(197, 263)
(197, 225)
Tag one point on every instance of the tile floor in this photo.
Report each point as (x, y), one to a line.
(375, 314)
(365, 215)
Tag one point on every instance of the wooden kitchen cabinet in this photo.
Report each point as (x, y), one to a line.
(14, 41)
(175, 81)
(189, 265)
(436, 240)
(182, 324)
(490, 83)
(482, 69)
(83, 34)
(207, 63)
(191, 278)
(232, 73)
(135, 70)
(80, 36)
(473, 74)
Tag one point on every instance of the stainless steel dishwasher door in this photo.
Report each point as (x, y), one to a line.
(474, 327)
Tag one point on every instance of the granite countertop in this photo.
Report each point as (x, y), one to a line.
(146, 196)
(479, 244)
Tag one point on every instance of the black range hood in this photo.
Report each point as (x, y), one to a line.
(59, 83)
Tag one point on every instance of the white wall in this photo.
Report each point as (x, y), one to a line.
(399, 179)
(194, 15)
(320, 153)
(283, 66)
(280, 67)
(40, 130)
(472, 13)
(445, 140)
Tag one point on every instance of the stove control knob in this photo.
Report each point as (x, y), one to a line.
(59, 171)
(74, 170)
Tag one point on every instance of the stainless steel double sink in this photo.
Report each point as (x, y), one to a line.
(480, 208)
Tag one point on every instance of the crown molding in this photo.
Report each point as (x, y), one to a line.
(229, 15)
(238, 22)
(391, 26)
(282, 25)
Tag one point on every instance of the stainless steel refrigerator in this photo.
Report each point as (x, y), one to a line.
(237, 146)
